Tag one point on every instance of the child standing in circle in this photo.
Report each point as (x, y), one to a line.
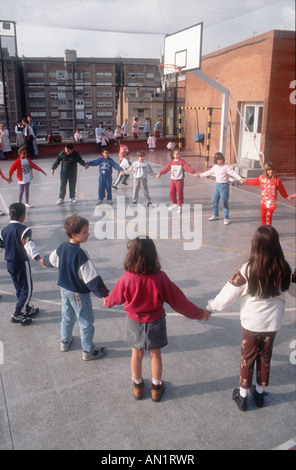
(260, 283)
(141, 169)
(177, 167)
(105, 164)
(270, 186)
(24, 173)
(143, 289)
(77, 279)
(221, 171)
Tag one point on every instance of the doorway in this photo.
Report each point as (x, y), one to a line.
(250, 130)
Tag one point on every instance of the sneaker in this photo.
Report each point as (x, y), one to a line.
(135, 202)
(100, 201)
(65, 345)
(172, 207)
(258, 397)
(60, 201)
(226, 221)
(31, 310)
(114, 187)
(239, 400)
(150, 204)
(22, 319)
(73, 201)
(214, 217)
(28, 205)
(138, 390)
(157, 391)
(124, 182)
(179, 211)
(109, 201)
(95, 353)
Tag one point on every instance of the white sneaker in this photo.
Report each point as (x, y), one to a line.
(172, 207)
(226, 221)
(28, 205)
(60, 201)
(213, 217)
(179, 211)
(73, 201)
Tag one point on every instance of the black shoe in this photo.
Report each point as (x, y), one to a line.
(123, 182)
(21, 319)
(114, 187)
(239, 400)
(30, 311)
(258, 397)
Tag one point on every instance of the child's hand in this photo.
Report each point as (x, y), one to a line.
(45, 174)
(40, 261)
(242, 181)
(206, 315)
(157, 176)
(105, 301)
(196, 175)
(52, 172)
(291, 197)
(86, 167)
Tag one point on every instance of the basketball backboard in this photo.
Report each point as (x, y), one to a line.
(183, 48)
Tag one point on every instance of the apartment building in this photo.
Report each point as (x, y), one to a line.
(68, 93)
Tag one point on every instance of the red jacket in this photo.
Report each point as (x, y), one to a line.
(18, 167)
(143, 296)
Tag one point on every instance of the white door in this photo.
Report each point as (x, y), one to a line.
(250, 130)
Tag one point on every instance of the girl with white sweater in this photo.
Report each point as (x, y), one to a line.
(260, 284)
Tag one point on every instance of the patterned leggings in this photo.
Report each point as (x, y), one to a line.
(266, 214)
(255, 348)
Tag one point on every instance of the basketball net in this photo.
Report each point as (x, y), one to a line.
(168, 74)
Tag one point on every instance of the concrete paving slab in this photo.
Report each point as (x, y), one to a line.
(55, 401)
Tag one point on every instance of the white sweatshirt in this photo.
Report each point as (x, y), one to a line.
(256, 314)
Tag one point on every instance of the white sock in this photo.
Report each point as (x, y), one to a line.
(156, 381)
(243, 392)
(137, 381)
(259, 389)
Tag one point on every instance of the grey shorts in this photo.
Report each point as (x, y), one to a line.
(146, 335)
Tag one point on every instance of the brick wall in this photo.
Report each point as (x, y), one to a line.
(259, 69)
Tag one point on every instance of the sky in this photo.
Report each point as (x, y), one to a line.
(136, 28)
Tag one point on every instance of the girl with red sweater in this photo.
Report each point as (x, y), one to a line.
(143, 289)
(177, 168)
(270, 185)
(24, 173)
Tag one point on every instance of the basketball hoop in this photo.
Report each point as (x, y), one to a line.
(168, 74)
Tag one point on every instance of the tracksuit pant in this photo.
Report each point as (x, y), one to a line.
(65, 177)
(21, 277)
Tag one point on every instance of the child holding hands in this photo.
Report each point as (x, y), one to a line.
(221, 171)
(77, 279)
(177, 168)
(24, 173)
(270, 186)
(260, 284)
(143, 289)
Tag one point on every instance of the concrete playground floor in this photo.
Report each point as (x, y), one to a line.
(51, 400)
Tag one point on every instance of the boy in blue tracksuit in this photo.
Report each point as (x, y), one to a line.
(105, 164)
(16, 239)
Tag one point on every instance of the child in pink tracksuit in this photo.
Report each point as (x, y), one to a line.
(270, 185)
(177, 167)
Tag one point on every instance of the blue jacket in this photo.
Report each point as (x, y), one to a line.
(105, 165)
(76, 271)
